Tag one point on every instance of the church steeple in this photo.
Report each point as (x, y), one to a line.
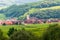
(28, 17)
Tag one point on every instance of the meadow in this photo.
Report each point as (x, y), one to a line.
(37, 29)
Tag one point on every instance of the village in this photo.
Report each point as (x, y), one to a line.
(29, 20)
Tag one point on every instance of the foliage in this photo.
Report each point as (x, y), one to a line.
(44, 13)
(2, 37)
(52, 33)
(19, 10)
(23, 35)
(32, 32)
(11, 31)
(2, 17)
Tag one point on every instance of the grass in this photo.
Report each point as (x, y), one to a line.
(35, 28)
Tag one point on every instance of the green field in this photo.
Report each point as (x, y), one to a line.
(35, 28)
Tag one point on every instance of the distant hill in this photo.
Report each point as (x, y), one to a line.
(43, 13)
(41, 9)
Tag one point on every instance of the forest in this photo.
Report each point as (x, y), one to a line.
(41, 9)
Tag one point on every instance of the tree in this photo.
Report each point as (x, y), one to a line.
(53, 33)
(2, 37)
(23, 35)
(11, 31)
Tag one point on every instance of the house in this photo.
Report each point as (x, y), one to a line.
(8, 22)
(52, 20)
(32, 20)
(1, 22)
(48, 21)
(40, 21)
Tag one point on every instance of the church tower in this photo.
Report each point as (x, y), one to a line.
(28, 17)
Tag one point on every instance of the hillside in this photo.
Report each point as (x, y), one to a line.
(51, 12)
(19, 10)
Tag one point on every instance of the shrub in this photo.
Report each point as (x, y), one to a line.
(23, 35)
(2, 37)
(11, 31)
(52, 33)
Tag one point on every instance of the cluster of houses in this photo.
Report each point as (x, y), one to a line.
(29, 20)
(34, 20)
(10, 22)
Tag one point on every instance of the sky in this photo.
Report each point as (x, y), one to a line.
(10, 2)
